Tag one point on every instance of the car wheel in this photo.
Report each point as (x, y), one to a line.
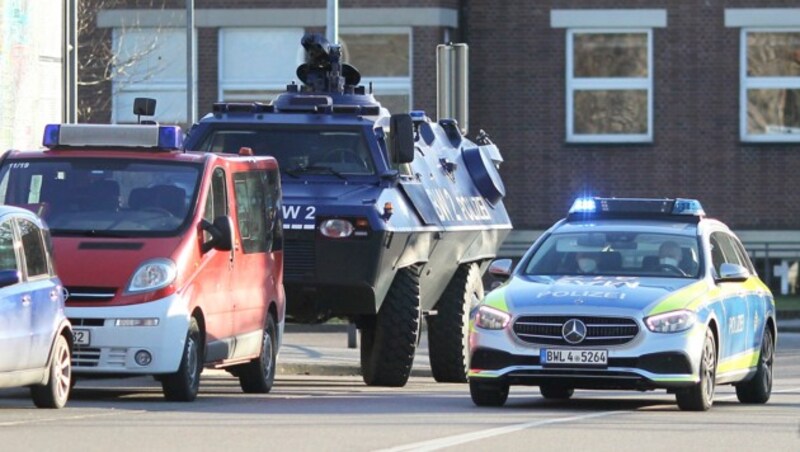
(183, 385)
(257, 376)
(759, 388)
(389, 340)
(700, 396)
(448, 330)
(556, 392)
(488, 393)
(55, 393)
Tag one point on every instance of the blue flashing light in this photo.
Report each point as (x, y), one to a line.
(687, 207)
(170, 137)
(417, 115)
(52, 132)
(583, 205)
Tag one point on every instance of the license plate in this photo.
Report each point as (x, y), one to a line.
(80, 337)
(552, 356)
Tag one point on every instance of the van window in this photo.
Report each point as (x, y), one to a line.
(35, 257)
(253, 208)
(216, 202)
(275, 217)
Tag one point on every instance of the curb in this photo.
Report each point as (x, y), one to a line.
(334, 370)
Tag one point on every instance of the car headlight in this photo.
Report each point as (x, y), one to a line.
(491, 319)
(671, 322)
(151, 275)
(336, 228)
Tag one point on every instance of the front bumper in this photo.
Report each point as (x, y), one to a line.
(649, 361)
(112, 348)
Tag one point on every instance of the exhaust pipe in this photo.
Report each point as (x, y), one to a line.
(452, 84)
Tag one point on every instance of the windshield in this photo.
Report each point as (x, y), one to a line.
(616, 254)
(301, 149)
(102, 197)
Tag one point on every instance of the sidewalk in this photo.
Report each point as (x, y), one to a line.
(322, 350)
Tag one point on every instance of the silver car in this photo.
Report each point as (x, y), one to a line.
(635, 294)
(35, 336)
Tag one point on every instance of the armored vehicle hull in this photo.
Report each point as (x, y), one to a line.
(386, 219)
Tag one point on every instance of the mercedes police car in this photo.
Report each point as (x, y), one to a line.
(627, 294)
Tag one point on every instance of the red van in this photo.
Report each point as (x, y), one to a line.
(173, 260)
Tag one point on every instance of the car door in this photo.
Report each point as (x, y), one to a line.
(734, 297)
(252, 275)
(756, 302)
(43, 291)
(215, 276)
(15, 304)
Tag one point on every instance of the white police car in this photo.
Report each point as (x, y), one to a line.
(627, 294)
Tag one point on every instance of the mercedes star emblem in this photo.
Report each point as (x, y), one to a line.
(574, 331)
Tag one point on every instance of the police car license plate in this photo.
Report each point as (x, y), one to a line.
(81, 337)
(551, 356)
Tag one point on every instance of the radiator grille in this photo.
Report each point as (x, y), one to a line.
(599, 330)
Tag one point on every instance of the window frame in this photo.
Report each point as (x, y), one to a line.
(574, 84)
(746, 83)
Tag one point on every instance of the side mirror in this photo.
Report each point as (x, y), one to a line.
(500, 269)
(402, 136)
(733, 273)
(8, 278)
(221, 232)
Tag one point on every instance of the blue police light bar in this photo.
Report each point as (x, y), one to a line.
(585, 208)
(162, 138)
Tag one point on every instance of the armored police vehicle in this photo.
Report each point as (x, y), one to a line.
(386, 217)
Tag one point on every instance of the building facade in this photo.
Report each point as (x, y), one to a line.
(625, 98)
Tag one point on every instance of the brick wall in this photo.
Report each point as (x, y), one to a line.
(518, 95)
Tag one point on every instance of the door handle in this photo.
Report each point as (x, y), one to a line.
(26, 300)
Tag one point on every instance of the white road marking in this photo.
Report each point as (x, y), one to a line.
(455, 440)
(67, 418)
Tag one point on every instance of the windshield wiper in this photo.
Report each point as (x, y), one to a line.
(305, 169)
(91, 233)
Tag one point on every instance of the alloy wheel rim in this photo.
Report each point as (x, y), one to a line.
(267, 354)
(191, 361)
(63, 372)
(767, 358)
(708, 371)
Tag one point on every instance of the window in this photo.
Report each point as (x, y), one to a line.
(253, 207)
(609, 85)
(151, 62)
(33, 246)
(382, 56)
(8, 258)
(256, 64)
(724, 250)
(216, 203)
(770, 88)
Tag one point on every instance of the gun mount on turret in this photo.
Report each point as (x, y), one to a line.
(387, 219)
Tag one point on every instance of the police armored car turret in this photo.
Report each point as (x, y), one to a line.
(386, 217)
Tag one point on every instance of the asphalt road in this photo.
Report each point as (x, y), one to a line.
(340, 413)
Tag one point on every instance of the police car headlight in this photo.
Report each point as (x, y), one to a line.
(491, 318)
(671, 322)
(151, 275)
(336, 228)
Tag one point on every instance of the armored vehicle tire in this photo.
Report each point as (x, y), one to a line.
(257, 376)
(556, 392)
(389, 340)
(448, 330)
(182, 386)
(488, 394)
(759, 388)
(700, 396)
(55, 393)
